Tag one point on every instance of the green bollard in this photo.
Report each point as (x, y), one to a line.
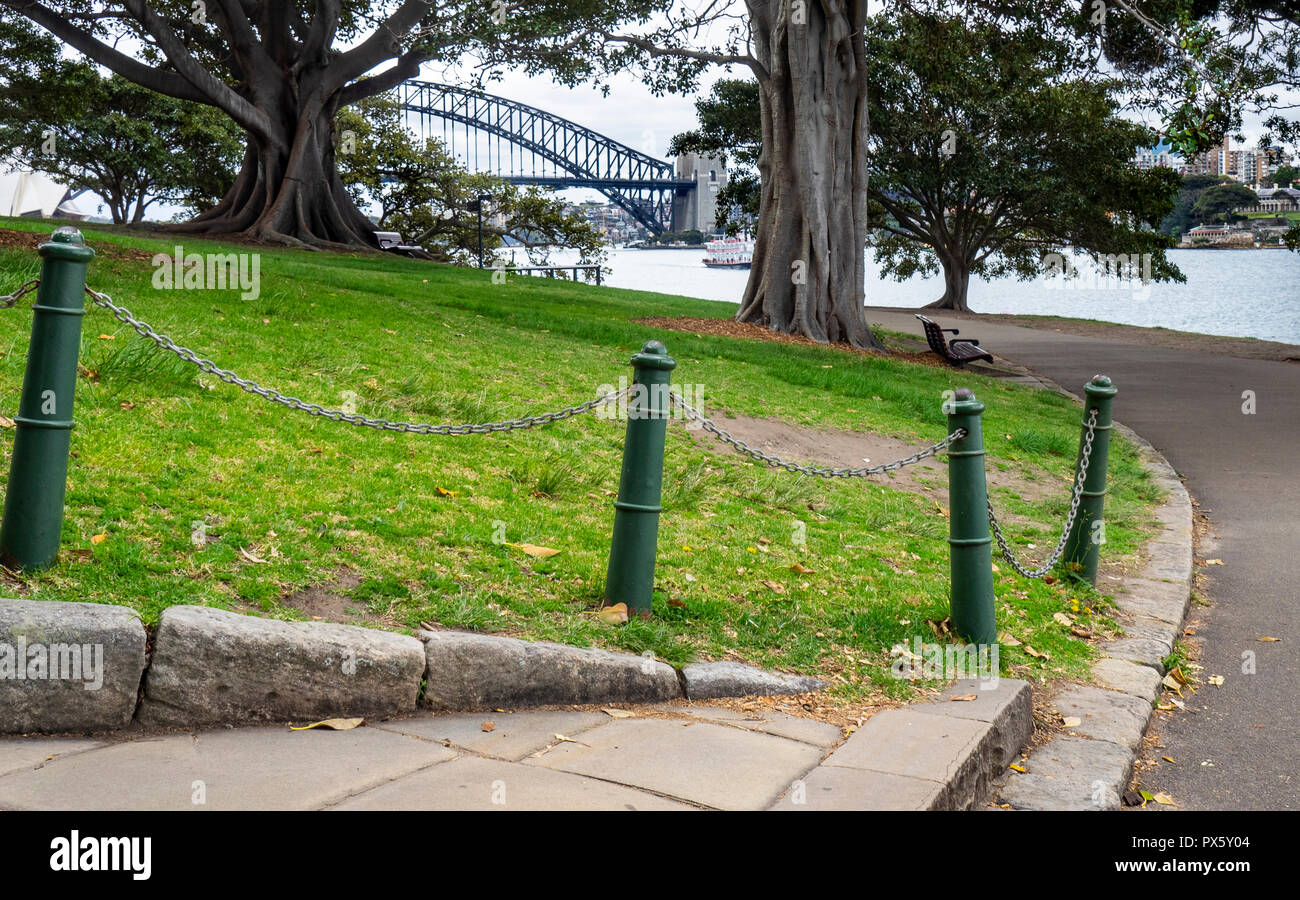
(973, 615)
(1083, 546)
(631, 576)
(38, 472)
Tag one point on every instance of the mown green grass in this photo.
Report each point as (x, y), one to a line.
(160, 447)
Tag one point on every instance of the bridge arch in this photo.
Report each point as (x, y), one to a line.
(648, 189)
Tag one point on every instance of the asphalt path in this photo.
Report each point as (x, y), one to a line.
(1237, 746)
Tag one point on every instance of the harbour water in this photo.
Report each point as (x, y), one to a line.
(1241, 293)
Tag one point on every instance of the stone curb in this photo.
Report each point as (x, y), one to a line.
(940, 755)
(214, 667)
(1090, 768)
(91, 658)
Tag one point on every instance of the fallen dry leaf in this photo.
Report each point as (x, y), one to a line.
(619, 713)
(801, 569)
(332, 725)
(443, 492)
(962, 698)
(1211, 562)
(1020, 769)
(613, 615)
(252, 557)
(1036, 654)
(1062, 619)
(1071, 721)
(1008, 640)
(774, 587)
(99, 538)
(536, 551)
(1164, 799)
(1168, 759)
(6, 422)
(1216, 680)
(488, 726)
(1268, 640)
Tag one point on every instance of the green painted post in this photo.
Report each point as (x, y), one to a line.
(969, 538)
(1083, 546)
(631, 575)
(38, 472)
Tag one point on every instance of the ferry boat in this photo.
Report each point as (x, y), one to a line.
(729, 253)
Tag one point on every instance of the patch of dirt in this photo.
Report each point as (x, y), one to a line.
(330, 603)
(11, 239)
(853, 449)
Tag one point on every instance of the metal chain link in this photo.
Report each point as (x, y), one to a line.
(10, 300)
(778, 463)
(337, 415)
(1046, 567)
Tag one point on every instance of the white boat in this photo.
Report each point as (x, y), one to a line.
(729, 253)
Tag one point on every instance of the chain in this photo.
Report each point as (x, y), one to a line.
(1046, 567)
(778, 463)
(337, 415)
(10, 300)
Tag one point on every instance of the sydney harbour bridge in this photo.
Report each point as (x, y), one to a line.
(525, 145)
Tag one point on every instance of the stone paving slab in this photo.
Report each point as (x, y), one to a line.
(915, 744)
(1170, 561)
(712, 765)
(835, 788)
(514, 735)
(1129, 677)
(1146, 628)
(473, 783)
(1162, 600)
(1070, 773)
(249, 768)
(17, 754)
(1143, 651)
(1105, 715)
(808, 731)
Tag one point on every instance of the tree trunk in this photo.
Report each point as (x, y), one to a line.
(956, 281)
(288, 190)
(809, 255)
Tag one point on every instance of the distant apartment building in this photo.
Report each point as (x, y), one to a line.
(1253, 168)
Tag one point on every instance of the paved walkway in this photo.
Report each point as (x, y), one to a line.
(941, 755)
(1235, 747)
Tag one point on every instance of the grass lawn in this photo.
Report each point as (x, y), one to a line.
(185, 490)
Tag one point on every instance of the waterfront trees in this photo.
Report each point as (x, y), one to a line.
(984, 159)
(279, 71)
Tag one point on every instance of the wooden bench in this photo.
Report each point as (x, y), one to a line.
(957, 352)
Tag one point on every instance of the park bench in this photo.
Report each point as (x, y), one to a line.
(391, 242)
(958, 352)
